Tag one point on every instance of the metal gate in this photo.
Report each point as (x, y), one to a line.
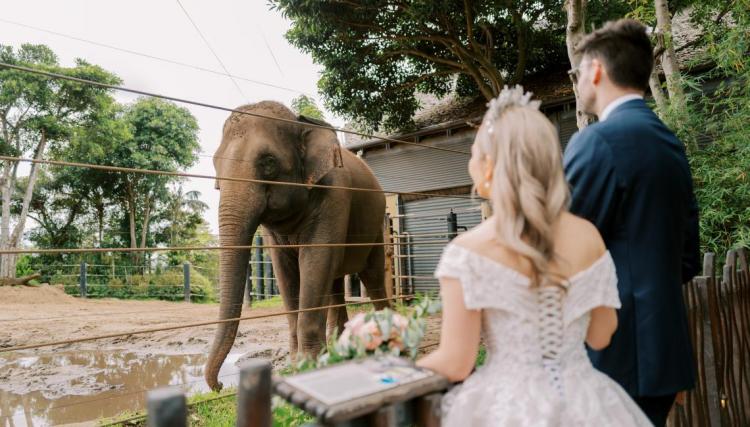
(426, 221)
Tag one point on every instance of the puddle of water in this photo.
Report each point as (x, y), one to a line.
(64, 388)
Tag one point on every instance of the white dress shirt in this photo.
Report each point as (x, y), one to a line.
(616, 103)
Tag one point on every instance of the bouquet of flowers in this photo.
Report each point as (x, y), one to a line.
(381, 332)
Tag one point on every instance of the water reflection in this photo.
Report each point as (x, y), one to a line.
(82, 386)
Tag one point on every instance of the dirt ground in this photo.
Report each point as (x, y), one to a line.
(44, 314)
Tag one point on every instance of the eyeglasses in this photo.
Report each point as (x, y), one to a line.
(575, 72)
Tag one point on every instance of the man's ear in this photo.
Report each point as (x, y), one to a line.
(597, 68)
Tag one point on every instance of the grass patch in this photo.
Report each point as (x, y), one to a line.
(214, 410)
(273, 302)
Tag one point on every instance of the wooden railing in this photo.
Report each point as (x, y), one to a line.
(719, 318)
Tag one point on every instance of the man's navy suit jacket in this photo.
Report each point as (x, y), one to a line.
(629, 175)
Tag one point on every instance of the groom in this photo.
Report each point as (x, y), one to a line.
(630, 177)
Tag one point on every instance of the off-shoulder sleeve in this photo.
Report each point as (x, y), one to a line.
(484, 285)
(456, 263)
(597, 287)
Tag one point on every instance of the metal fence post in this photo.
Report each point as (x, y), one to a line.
(186, 280)
(268, 270)
(452, 221)
(259, 264)
(82, 280)
(249, 283)
(254, 395)
(166, 408)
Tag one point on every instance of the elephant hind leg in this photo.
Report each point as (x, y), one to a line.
(337, 317)
(373, 277)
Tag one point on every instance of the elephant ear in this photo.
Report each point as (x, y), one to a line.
(320, 149)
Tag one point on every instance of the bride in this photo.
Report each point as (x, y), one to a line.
(536, 281)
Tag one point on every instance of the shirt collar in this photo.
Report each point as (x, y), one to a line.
(616, 103)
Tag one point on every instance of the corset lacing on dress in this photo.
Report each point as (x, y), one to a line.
(550, 300)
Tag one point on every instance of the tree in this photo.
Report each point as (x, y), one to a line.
(377, 53)
(35, 113)
(574, 33)
(305, 106)
(164, 137)
(182, 224)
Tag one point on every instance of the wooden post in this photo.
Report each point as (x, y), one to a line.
(428, 410)
(383, 417)
(347, 287)
(254, 395)
(389, 251)
(186, 279)
(394, 230)
(709, 260)
(82, 281)
(166, 408)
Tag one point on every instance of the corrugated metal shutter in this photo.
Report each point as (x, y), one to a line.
(428, 216)
(423, 169)
(567, 126)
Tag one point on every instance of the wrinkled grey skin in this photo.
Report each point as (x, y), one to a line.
(259, 148)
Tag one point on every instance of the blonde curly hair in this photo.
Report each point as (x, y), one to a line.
(529, 192)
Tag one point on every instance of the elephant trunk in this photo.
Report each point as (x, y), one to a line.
(237, 224)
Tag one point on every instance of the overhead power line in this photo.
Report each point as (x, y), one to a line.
(208, 45)
(156, 58)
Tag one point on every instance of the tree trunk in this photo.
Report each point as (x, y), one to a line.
(21, 281)
(100, 220)
(11, 240)
(34, 172)
(656, 91)
(574, 32)
(131, 218)
(668, 58)
(144, 227)
(6, 186)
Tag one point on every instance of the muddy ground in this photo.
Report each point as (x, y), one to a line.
(55, 375)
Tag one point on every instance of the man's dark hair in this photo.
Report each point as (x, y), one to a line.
(625, 49)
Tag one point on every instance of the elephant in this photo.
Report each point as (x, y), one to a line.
(258, 148)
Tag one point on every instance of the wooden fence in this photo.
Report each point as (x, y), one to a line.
(719, 319)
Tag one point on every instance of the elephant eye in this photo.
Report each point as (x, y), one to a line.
(268, 167)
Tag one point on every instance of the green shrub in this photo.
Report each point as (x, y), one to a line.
(166, 286)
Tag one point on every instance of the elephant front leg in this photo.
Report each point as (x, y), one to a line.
(316, 277)
(337, 317)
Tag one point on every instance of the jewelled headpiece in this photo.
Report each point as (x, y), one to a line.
(508, 97)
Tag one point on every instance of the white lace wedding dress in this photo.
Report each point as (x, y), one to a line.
(537, 372)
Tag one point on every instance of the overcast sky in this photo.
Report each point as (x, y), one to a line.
(245, 34)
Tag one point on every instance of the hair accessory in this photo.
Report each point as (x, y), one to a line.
(509, 97)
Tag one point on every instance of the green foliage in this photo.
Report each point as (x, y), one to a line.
(165, 286)
(721, 167)
(481, 356)
(23, 266)
(377, 54)
(305, 106)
